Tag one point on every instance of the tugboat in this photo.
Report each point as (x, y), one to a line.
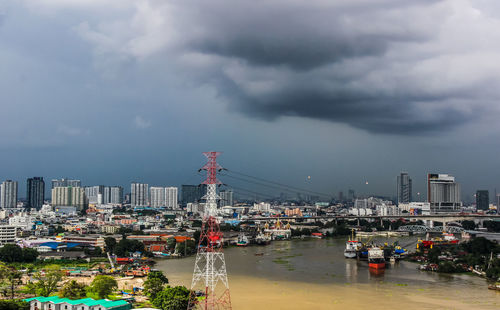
(242, 240)
(351, 247)
(263, 239)
(376, 258)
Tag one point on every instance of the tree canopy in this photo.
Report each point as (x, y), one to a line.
(103, 286)
(73, 290)
(173, 298)
(12, 253)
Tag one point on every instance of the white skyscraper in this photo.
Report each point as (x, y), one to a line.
(157, 196)
(139, 194)
(171, 196)
(8, 194)
(443, 193)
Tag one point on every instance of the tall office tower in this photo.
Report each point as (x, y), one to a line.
(404, 188)
(482, 200)
(192, 193)
(443, 193)
(8, 194)
(139, 194)
(171, 197)
(35, 192)
(341, 196)
(157, 196)
(226, 198)
(92, 193)
(351, 195)
(112, 195)
(69, 196)
(66, 182)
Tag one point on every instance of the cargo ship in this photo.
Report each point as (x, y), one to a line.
(447, 239)
(376, 259)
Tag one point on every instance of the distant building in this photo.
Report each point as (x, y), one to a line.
(443, 193)
(341, 196)
(193, 193)
(94, 194)
(157, 196)
(416, 208)
(113, 195)
(171, 197)
(35, 193)
(482, 200)
(226, 198)
(8, 194)
(404, 188)
(139, 194)
(351, 195)
(66, 182)
(164, 197)
(69, 196)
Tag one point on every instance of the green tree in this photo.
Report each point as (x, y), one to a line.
(152, 287)
(73, 290)
(29, 255)
(433, 255)
(157, 274)
(14, 305)
(110, 244)
(10, 279)
(173, 298)
(126, 246)
(11, 253)
(102, 286)
(46, 281)
(468, 225)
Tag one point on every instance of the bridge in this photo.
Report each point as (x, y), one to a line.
(426, 229)
(428, 220)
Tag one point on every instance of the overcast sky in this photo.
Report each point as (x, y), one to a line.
(344, 91)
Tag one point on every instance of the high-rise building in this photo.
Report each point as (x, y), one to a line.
(94, 193)
(351, 195)
(66, 182)
(69, 196)
(226, 198)
(192, 193)
(443, 193)
(157, 196)
(482, 200)
(341, 196)
(35, 193)
(139, 194)
(112, 195)
(404, 188)
(8, 194)
(171, 197)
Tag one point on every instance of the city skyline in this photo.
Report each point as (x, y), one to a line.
(125, 102)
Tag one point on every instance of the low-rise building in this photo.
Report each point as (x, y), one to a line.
(7, 234)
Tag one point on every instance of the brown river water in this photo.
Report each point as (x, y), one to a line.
(313, 274)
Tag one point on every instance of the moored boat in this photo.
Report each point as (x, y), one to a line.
(351, 247)
(376, 258)
(242, 240)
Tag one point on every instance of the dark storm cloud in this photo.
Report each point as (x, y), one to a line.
(312, 59)
(385, 66)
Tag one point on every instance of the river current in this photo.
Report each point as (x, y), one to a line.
(313, 274)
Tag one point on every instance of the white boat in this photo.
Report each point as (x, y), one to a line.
(351, 247)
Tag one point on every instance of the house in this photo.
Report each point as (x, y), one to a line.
(57, 303)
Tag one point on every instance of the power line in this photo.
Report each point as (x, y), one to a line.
(280, 184)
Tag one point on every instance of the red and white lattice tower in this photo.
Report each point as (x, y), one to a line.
(210, 274)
